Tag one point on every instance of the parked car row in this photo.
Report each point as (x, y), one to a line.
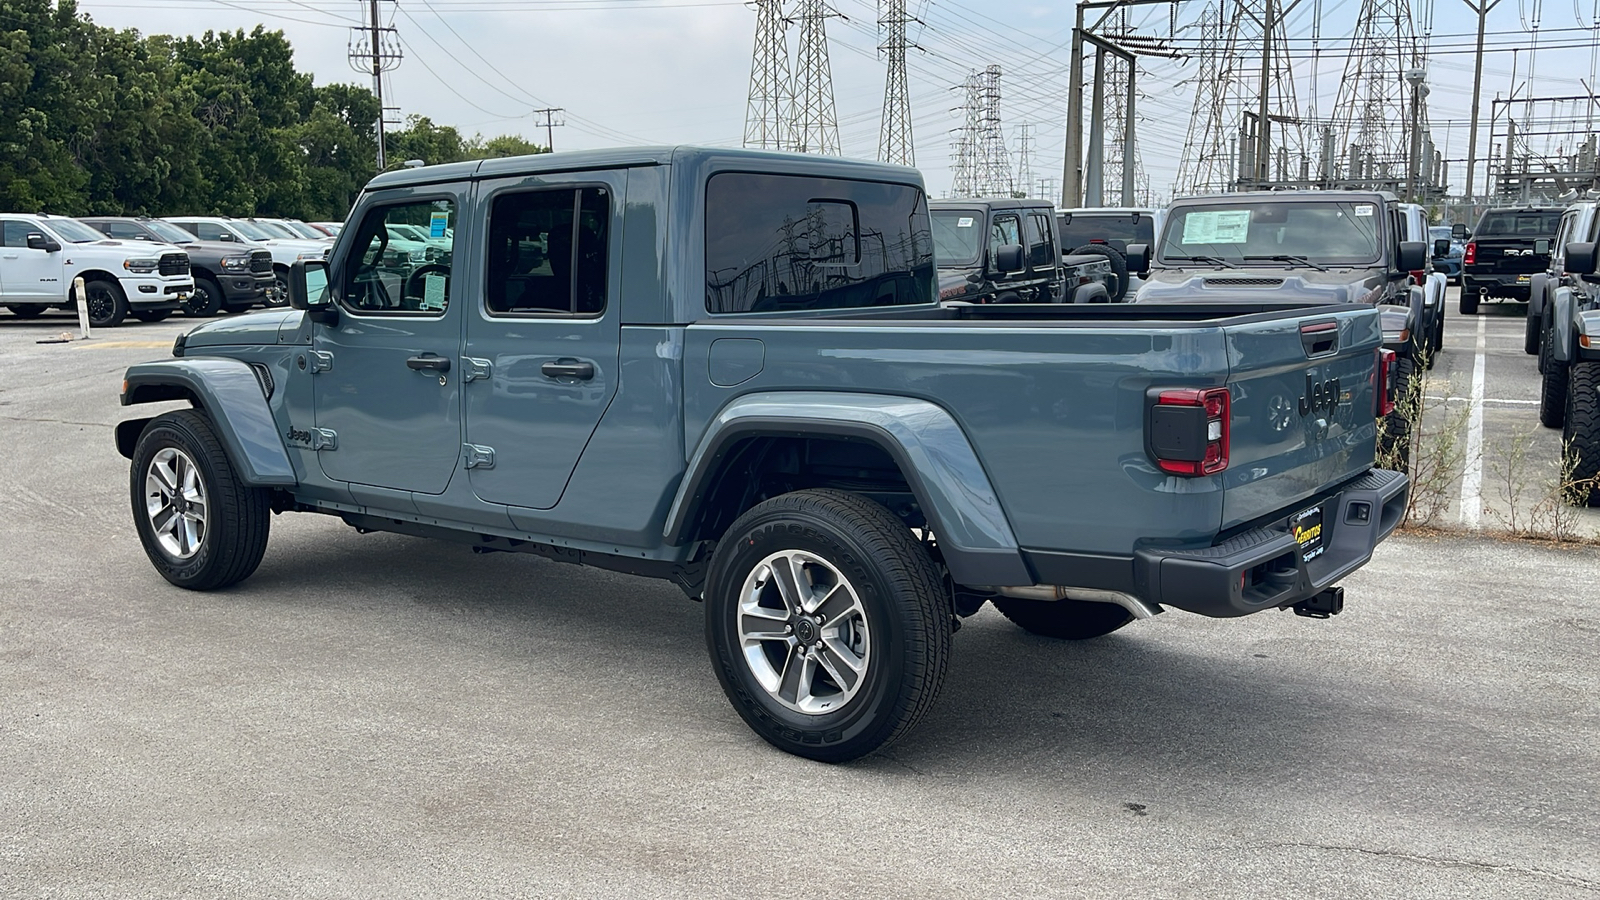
(150, 268)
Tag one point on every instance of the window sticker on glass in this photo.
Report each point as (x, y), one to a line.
(437, 223)
(1363, 209)
(433, 292)
(1222, 226)
(964, 222)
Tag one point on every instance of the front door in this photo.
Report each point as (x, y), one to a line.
(388, 377)
(543, 337)
(31, 276)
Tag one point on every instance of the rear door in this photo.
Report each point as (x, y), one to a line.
(1303, 414)
(543, 336)
(387, 382)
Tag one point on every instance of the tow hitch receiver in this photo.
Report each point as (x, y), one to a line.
(1328, 603)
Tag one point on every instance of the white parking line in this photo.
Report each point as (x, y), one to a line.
(1472, 475)
(1487, 401)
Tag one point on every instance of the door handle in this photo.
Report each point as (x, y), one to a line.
(429, 362)
(568, 368)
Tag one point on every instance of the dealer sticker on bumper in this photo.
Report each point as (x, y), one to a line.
(1307, 528)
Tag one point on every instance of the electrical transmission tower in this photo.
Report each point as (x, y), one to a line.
(967, 149)
(894, 138)
(374, 49)
(994, 163)
(814, 124)
(766, 118)
(1377, 120)
(1024, 178)
(1245, 130)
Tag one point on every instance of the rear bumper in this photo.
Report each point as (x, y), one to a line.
(1263, 568)
(1499, 285)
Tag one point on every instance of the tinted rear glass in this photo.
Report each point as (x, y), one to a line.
(1519, 223)
(1077, 229)
(784, 242)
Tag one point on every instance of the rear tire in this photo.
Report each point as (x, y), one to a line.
(1394, 430)
(1069, 620)
(1469, 303)
(151, 315)
(28, 310)
(1119, 266)
(201, 527)
(1552, 381)
(108, 306)
(1581, 437)
(842, 577)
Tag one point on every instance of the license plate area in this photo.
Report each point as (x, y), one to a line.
(1309, 531)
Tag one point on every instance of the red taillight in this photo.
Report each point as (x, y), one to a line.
(1471, 254)
(1189, 431)
(1385, 383)
(1418, 276)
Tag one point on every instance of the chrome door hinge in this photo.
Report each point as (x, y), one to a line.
(324, 439)
(473, 368)
(321, 361)
(478, 456)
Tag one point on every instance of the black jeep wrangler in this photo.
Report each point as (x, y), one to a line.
(1004, 251)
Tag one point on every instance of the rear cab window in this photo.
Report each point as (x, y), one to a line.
(1531, 223)
(784, 243)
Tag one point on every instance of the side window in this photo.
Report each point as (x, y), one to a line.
(388, 273)
(16, 233)
(778, 243)
(209, 231)
(1039, 255)
(547, 252)
(126, 231)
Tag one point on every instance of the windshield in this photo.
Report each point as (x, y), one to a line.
(275, 229)
(301, 229)
(1439, 233)
(957, 236)
(74, 232)
(169, 232)
(251, 230)
(1533, 223)
(1077, 229)
(1338, 233)
(407, 232)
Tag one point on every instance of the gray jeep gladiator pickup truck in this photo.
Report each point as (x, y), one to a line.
(730, 369)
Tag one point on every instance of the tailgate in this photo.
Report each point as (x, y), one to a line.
(1303, 413)
(1508, 257)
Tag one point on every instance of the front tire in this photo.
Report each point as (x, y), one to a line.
(1531, 329)
(1069, 620)
(201, 527)
(1581, 437)
(108, 306)
(152, 315)
(279, 295)
(205, 300)
(828, 624)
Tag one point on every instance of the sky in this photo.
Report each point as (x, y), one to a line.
(677, 71)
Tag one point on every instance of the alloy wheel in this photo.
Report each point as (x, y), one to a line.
(803, 632)
(175, 501)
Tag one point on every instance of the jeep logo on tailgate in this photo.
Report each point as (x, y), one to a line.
(1319, 395)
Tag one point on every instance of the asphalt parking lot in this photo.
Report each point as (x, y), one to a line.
(381, 716)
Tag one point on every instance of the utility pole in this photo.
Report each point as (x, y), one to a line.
(1482, 8)
(549, 122)
(1263, 169)
(373, 50)
(1072, 159)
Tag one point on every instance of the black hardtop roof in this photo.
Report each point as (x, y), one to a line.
(1528, 207)
(1289, 197)
(991, 203)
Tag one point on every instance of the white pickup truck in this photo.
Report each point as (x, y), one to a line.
(41, 255)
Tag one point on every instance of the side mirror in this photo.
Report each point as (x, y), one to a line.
(37, 241)
(1459, 232)
(1413, 256)
(1541, 247)
(1441, 248)
(308, 290)
(1580, 258)
(1008, 259)
(1138, 259)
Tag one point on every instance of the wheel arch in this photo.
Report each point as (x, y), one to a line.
(89, 275)
(230, 393)
(927, 448)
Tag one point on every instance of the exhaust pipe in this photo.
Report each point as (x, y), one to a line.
(1052, 592)
(1483, 293)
